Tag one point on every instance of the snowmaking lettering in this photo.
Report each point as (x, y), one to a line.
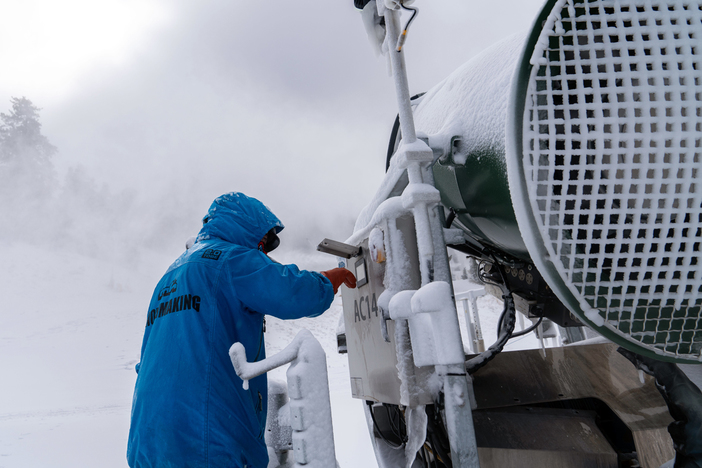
(168, 290)
(184, 302)
(371, 307)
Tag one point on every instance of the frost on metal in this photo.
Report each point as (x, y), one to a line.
(417, 432)
(611, 157)
(430, 312)
(278, 429)
(308, 389)
(479, 86)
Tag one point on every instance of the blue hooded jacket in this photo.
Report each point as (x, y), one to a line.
(189, 407)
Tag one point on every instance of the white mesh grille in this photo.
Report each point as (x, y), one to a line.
(612, 136)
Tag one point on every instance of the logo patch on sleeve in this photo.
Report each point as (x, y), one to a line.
(212, 254)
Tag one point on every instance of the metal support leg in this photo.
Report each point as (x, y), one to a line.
(433, 261)
(459, 419)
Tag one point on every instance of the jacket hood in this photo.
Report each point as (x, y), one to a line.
(239, 219)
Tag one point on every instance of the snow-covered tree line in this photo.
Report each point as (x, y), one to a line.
(37, 206)
(25, 153)
(24, 150)
(68, 210)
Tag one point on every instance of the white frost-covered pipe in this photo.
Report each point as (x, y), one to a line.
(399, 73)
(308, 389)
(431, 312)
(432, 317)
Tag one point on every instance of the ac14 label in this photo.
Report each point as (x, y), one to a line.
(364, 307)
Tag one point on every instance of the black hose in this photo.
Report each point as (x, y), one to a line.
(393, 140)
(450, 218)
(500, 321)
(528, 330)
(508, 316)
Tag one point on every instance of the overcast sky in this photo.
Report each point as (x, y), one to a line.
(183, 100)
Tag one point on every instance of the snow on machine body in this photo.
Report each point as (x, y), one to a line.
(566, 162)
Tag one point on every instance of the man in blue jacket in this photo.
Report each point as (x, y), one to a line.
(189, 407)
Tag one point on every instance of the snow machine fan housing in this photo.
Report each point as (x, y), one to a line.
(603, 148)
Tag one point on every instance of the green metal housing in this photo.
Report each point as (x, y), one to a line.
(537, 142)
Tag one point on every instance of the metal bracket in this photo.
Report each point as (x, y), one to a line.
(339, 248)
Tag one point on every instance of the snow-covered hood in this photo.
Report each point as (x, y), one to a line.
(239, 219)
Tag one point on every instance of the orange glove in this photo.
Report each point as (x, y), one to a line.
(338, 276)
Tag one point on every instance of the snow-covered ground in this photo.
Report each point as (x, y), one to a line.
(70, 335)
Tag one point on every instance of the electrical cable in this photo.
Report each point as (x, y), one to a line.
(528, 330)
(437, 434)
(430, 454)
(500, 321)
(396, 428)
(450, 218)
(509, 293)
(484, 279)
(392, 412)
(472, 365)
(419, 456)
(425, 456)
(483, 276)
(507, 319)
(392, 141)
(403, 36)
(375, 424)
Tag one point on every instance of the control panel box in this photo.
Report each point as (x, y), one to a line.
(373, 360)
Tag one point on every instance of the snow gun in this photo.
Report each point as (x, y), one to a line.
(565, 164)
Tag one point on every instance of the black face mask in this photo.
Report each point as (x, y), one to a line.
(272, 242)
